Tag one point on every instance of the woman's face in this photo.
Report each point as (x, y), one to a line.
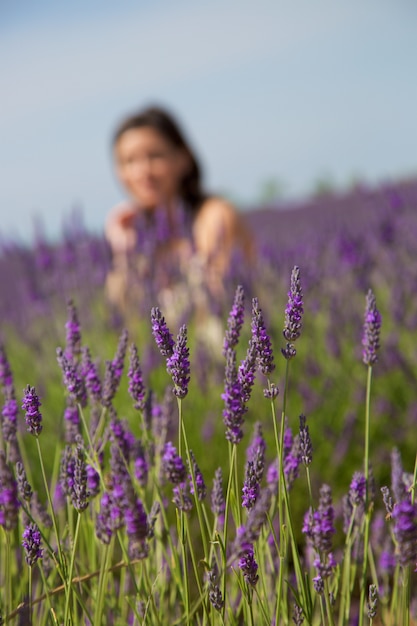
(149, 166)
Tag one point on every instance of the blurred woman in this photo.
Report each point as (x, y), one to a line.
(169, 228)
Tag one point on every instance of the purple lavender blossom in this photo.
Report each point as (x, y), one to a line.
(182, 497)
(6, 377)
(257, 441)
(265, 358)
(93, 481)
(160, 331)
(136, 386)
(292, 461)
(110, 384)
(73, 334)
(71, 378)
(271, 392)
(306, 446)
(23, 487)
(319, 528)
(173, 465)
(257, 517)
(90, 374)
(122, 436)
(136, 529)
(32, 544)
(404, 516)
(119, 357)
(357, 490)
(246, 371)
(215, 594)
(31, 404)
(371, 331)
(152, 517)
(9, 503)
(235, 321)
(109, 519)
(251, 486)
(79, 492)
(199, 479)
(235, 408)
(141, 464)
(272, 475)
(9, 415)
(218, 503)
(178, 364)
(298, 615)
(294, 309)
(248, 564)
(72, 421)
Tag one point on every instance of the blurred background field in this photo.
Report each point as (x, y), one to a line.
(344, 244)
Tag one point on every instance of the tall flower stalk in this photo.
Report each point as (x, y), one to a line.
(370, 344)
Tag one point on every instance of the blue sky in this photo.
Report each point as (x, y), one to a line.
(292, 91)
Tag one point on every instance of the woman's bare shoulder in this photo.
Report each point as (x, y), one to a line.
(217, 210)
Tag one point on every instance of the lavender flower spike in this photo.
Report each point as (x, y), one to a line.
(178, 364)
(32, 544)
(31, 404)
(371, 331)
(293, 315)
(160, 331)
(265, 359)
(235, 321)
(73, 334)
(405, 531)
(136, 386)
(173, 465)
(294, 309)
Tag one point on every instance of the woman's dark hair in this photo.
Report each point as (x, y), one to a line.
(163, 122)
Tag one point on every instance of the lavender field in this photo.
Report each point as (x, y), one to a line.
(254, 463)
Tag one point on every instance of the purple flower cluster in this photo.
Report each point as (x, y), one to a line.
(73, 332)
(9, 503)
(319, 528)
(218, 503)
(119, 357)
(199, 479)
(72, 379)
(10, 408)
(90, 375)
(235, 408)
(404, 517)
(248, 564)
(357, 489)
(161, 333)
(32, 544)
(265, 356)
(371, 331)
(293, 314)
(178, 364)
(136, 386)
(173, 465)
(73, 476)
(30, 405)
(306, 446)
(235, 321)
(120, 507)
